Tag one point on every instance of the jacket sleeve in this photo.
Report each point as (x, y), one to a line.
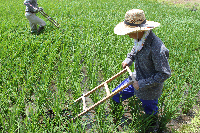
(130, 57)
(159, 56)
(28, 4)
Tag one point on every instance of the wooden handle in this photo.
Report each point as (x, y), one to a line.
(102, 84)
(49, 18)
(129, 71)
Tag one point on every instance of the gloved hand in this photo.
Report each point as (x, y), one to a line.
(40, 9)
(35, 10)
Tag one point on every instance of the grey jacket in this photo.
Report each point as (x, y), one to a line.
(152, 67)
(31, 6)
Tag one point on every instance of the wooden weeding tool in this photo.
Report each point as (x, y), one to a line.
(49, 18)
(109, 95)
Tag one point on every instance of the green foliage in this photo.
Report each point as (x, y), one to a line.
(50, 71)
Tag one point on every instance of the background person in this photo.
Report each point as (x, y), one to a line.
(31, 10)
(151, 64)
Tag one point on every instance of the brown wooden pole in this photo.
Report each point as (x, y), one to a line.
(129, 71)
(102, 84)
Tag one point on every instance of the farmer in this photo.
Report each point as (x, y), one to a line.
(151, 63)
(31, 10)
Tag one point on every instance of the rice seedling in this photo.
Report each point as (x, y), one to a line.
(49, 71)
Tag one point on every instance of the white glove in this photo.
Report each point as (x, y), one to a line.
(40, 9)
(35, 10)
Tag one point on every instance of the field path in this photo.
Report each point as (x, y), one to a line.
(184, 1)
(192, 4)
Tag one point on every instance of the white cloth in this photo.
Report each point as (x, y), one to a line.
(139, 44)
(34, 20)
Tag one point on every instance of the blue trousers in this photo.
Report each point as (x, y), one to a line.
(150, 106)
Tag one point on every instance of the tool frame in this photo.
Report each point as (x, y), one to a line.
(50, 19)
(109, 95)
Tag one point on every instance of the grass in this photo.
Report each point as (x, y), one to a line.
(51, 70)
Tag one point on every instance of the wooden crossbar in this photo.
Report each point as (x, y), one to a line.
(84, 104)
(109, 95)
(107, 89)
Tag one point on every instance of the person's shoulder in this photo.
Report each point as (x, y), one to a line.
(157, 44)
(156, 41)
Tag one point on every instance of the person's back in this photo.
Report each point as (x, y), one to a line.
(31, 5)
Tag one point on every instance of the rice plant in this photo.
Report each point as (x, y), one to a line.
(49, 71)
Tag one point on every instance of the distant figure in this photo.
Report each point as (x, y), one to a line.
(151, 64)
(31, 10)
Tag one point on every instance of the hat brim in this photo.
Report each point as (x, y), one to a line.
(123, 29)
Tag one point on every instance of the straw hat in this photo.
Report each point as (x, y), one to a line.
(134, 21)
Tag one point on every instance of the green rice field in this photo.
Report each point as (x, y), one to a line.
(49, 71)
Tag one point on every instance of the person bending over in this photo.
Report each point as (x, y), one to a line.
(151, 63)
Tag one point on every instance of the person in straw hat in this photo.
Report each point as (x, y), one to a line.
(151, 63)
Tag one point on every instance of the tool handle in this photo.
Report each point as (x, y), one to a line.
(102, 84)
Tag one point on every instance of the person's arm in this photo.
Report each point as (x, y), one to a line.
(160, 60)
(130, 58)
(28, 4)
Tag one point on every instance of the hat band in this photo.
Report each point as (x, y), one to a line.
(138, 25)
